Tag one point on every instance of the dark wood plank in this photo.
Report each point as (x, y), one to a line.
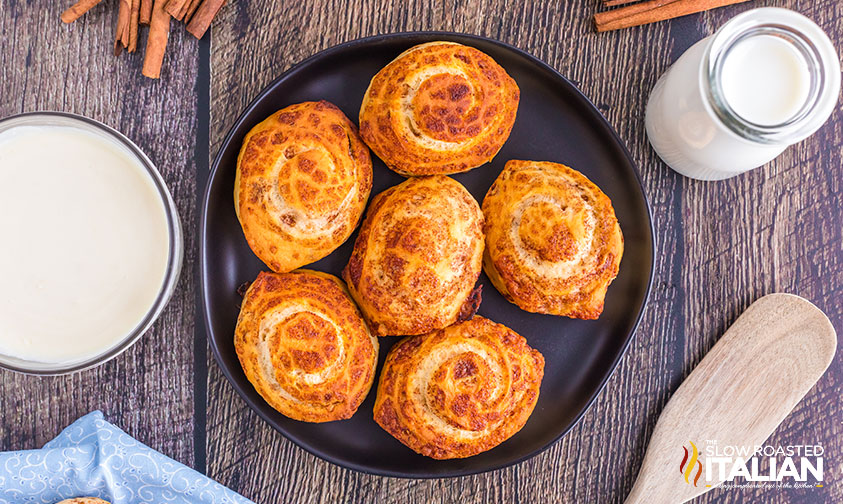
(46, 65)
(721, 246)
(776, 229)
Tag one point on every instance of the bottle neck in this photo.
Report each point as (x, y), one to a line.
(814, 58)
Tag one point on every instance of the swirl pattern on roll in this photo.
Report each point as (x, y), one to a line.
(84, 500)
(304, 345)
(439, 108)
(553, 243)
(417, 257)
(459, 391)
(303, 178)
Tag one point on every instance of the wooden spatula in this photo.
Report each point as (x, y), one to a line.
(737, 396)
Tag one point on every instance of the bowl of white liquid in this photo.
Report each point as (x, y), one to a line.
(92, 243)
(767, 79)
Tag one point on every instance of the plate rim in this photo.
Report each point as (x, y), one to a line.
(203, 231)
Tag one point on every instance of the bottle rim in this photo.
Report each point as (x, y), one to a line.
(811, 43)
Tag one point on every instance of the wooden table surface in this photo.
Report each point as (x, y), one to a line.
(719, 245)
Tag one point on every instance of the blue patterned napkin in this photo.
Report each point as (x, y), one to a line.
(93, 458)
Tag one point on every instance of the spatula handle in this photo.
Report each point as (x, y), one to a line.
(737, 395)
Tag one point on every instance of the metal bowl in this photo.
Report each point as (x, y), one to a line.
(175, 240)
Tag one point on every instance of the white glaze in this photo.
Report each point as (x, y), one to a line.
(85, 243)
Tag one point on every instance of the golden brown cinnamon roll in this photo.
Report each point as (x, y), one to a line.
(417, 257)
(303, 178)
(84, 500)
(459, 391)
(553, 243)
(438, 108)
(304, 346)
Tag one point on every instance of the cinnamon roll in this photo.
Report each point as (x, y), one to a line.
(303, 179)
(84, 500)
(553, 243)
(304, 346)
(417, 257)
(458, 391)
(438, 108)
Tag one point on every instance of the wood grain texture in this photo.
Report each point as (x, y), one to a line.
(46, 65)
(727, 398)
(721, 245)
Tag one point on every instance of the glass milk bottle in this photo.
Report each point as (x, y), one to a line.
(766, 79)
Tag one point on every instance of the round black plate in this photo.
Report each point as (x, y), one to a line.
(555, 122)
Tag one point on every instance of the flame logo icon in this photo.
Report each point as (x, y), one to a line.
(686, 468)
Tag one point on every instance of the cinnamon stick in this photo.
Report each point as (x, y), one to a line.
(76, 10)
(176, 8)
(145, 11)
(184, 8)
(204, 15)
(133, 26)
(191, 9)
(156, 44)
(121, 36)
(653, 11)
(127, 6)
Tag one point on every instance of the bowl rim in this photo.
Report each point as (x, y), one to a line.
(175, 255)
(458, 37)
